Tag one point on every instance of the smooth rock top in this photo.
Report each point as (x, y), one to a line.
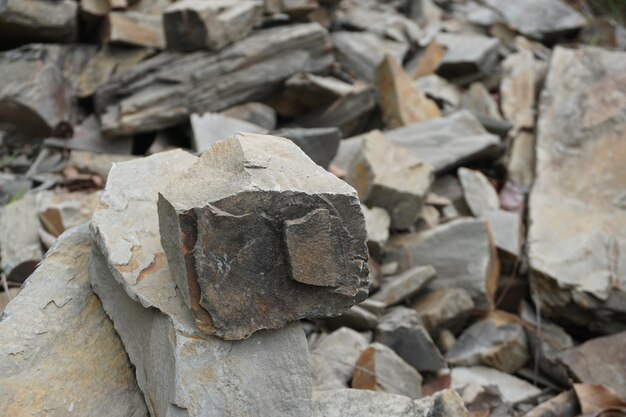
(257, 235)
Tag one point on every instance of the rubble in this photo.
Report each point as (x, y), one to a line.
(361, 403)
(60, 212)
(405, 285)
(467, 55)
(479, 193)
(209, 128)
(135, 28)
(35, 21)
(253, 112)
(320, 144)
(513, 389)
(377, 222)
(444, 309)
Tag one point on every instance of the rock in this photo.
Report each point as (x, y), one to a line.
(320, 144)
(401, 102)
(446, 308)
(60, 355)
(356, 318)
(429, 60)
(405, 285)
(538, 19)
(303, 227)
(478, 100)
(563, 405)
(256, 113)
(480, 195)
(578, 228)
(495, 341)
(517, 89)
(377, 222)
(599, 361)
(59, 212)
(190, 25)
(87, 137)
(467, 54)
(209, 128)
(333, 358)
(28, 21)
(138, 101)
(360, 53)
(462, 253)
(20, 249)
(361, 403)
(402, 330)
(12, 186)
(189, 372)
(521, 163)
(513, 389)
(439, 89)
(381, 369)
(135, 28)
(376, 307)
(99, 164)
(445, 403)
(507, 230)
(386, 175)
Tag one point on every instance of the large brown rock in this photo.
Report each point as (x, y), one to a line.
(257, 235)
(577, 205)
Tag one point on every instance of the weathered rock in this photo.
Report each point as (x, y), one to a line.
(401, 102)
(512, 389)
(538, 18)
(59, 212)
(507, 230)
(209, 128)
(521, 162)
(361, 403)
(405, 285)
(577, 223)
(320, 144)
(26, 21)
(20, 250)
(376, 307)
(402, 330)
(478, 100)
(377, 222)
(360, 53)
(480, 195)
(333, 358)
(380, 369)
(447, 308)
(256, 219)
(599, 361)
(439, 89)
(356, 318)
(256, 113)
(60, 355)
(386, 175)
(467, 54)
(461, 251)
(137, 100)
(494, 341)
(189, 372)
(517, 89)
(135, 28)
(445, 403)
(194, 24)
(563, 405)
(429, 60)
(99, 164)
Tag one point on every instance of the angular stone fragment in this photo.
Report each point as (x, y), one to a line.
(139, 101)
(521, 162)
(507, 230)
(254, 218)
(461, 251)
(356, 318)
(447, 308)
(405, 285)
(320, 144)
(99, 164)
(361, 403)
(27, 21)
(20, 249)
(209, 128)
(599, 361)
(195, 24)
(402, 330)
(445, 403)
(377, 222)
(256, 113)
(494, 342)
(401, 102)
(429, 60)
(59, 212)
(380, 369)
(563, 405)
(517, 89)
(135, 28)
(59, 351)
(480, 195)
(538, 19)
(386, 175)
(439, 89)
(467, 54)
(333, 358)
(178, 368)
(513, 389)
(577, 234)
(360, 53)
(478, 100)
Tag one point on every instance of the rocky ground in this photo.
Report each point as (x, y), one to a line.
(329, 208)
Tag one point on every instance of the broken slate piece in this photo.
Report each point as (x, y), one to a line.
(59, 351)
(381, 369)
(190, 25)
(480, 195)
(386, 175)
(256, 113)
(135, 28)
(402, 330)
(405, 285)
(257, 236)
(507, 230)
(377, 222)
(320, 144)
(202, 375)
(446, 308)
(357, 318)
(93, 163)
(513, 389)
(467, 54)
(361, 403)
(209, 128)
(439, 89)
(461, 251)
(59, 212)
(29, 21)
(444, 403)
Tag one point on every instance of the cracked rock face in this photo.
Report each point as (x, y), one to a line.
(257, 236)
